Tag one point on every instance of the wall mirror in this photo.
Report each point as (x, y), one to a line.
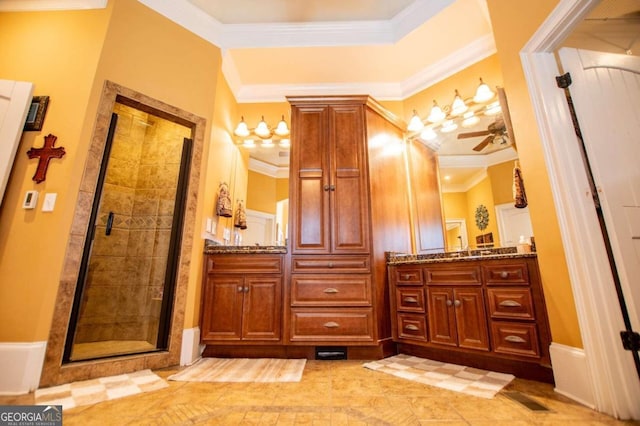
(267, 193)
(476, 161)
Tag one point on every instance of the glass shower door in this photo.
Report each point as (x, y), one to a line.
(127, 277)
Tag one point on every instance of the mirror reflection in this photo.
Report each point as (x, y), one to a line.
(267, 199)
(477, 161)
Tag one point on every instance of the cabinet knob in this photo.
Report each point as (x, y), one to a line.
(456, 303)
(410, 299)
(240, 289)
(246, 289)
(330, 264)
(504, 274)
(331, 324)
(510, 304)
(411, 327)
(514, 339)
(449, 302)
(332, 187)
(330, 290)
(326, 187)
(405, 277)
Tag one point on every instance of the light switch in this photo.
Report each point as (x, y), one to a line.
(49, 202)
(209, 225)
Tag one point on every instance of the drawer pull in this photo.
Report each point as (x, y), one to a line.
(330, 290)
(510, 304)
(330, 265)
(331, 324)
(514, 339)
(411, 327)
(405, 277)
(504, 274)
(409, 299)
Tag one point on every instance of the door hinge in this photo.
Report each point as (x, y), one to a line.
(630, 340)
(563, 81)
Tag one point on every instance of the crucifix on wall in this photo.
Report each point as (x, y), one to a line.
(44, 154)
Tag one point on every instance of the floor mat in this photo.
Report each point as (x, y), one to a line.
(86, 392)
(242, 370)
(471, 381)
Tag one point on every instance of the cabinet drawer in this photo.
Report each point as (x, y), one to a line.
(407, 276)
(410, 299)
(506, 273)
(510, 303)
(328, 264)
(452, 275)
(412, 327)
(326, 290)
(515, 339)
(331, 325)
(234, 263)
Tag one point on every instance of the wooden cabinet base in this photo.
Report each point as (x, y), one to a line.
(382, 350)
(519, 368)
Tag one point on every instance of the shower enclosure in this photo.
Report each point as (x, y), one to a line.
(127, 278)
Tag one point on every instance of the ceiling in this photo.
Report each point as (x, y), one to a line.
(389, 49)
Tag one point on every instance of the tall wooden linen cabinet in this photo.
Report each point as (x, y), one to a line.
(349, 204)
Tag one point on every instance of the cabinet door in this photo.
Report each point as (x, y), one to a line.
(262, 308)
(348, 187)
(471, 319)
(442, 319)
(309, 194)
(222, 308)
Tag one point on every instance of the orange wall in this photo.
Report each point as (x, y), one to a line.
(33, 243)
(514, 22)
(501, 177)
(69, 55)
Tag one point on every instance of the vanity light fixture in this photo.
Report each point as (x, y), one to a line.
(469, 119)
(248, 143)
(493, 108)
(284, 143)
(262, 130)
(449, 126)
(428, 134)
(267, 143)
(415, 124)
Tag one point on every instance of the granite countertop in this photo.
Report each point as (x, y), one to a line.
(458, 256)
(221, 249)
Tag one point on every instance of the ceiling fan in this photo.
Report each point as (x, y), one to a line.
(496, 132)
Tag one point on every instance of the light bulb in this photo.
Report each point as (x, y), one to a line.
(262, 129)
(436, 113)
(241, 129)
(282, 129)
(415, 124)
(458, 106)
(428, 134)
(449, 126)
(483, 93)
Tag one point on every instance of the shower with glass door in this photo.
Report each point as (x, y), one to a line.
(127, 278)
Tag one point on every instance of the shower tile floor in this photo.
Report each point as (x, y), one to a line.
(330, 393)
(91, 350)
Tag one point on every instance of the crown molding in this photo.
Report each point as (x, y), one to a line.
(36, 5)
(268, 169)
(464, 187)
(453, 63)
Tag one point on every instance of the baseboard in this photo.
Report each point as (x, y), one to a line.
(191, 349)
(571, 374)
(20, 367)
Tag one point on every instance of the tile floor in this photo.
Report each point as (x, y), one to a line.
(330, 393)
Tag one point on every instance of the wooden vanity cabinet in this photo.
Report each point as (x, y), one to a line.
(242, 298)
(487, 313)
(349, 204)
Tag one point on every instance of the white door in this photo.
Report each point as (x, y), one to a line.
(605, 91)
(15, 99)
(513, 223)
(260, 229)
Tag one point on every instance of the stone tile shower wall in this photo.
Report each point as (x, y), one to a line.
(125, 281)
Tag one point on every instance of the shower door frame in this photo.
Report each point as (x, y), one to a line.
(54, 370)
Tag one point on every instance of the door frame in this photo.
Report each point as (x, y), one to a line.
(54, 372)
(610, 372)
